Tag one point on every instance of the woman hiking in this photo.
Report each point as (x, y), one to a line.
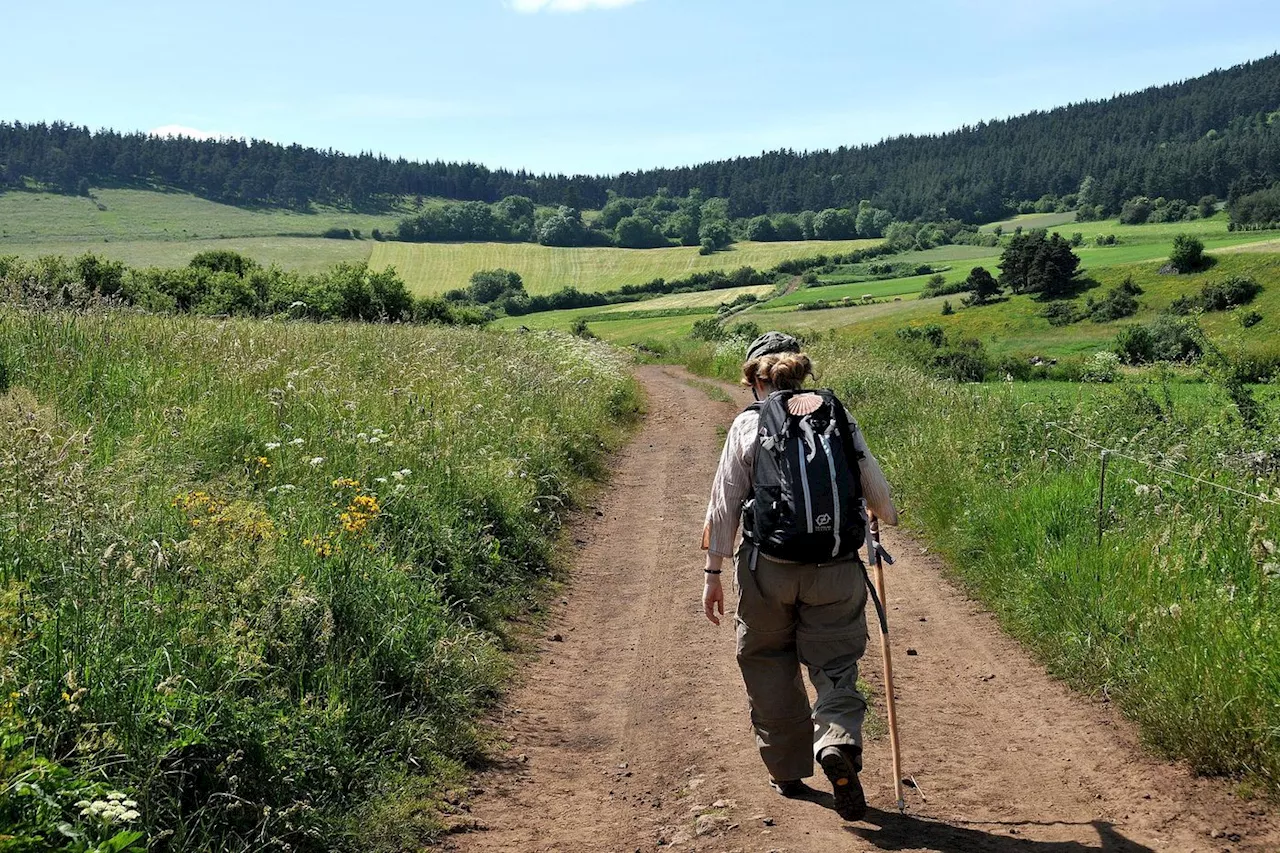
(795, 470)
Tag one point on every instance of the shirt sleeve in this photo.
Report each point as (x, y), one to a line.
(731, 486)
(875, 488)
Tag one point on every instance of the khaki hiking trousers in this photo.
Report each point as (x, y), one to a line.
(791, 614)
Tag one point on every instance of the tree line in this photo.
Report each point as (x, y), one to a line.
(658, 221)
(1185, 140)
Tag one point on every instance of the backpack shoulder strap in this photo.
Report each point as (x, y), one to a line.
(841, 414)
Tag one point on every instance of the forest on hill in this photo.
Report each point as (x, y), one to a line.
(1212, 135)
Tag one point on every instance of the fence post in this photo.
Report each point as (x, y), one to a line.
(1102, 488)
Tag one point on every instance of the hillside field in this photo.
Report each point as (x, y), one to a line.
(158, 228)
(432, 268)
(1010, 326)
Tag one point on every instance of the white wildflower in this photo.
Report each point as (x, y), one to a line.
(1175, 610)
(316, 461)
(297, 442)
(273, 445)
(380, 480)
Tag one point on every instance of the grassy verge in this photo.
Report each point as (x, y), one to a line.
(1173, 614)
(254, 577)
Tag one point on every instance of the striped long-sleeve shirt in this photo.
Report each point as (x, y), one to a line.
(732, 484)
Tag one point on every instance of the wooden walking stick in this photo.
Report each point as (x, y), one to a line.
(878, 553)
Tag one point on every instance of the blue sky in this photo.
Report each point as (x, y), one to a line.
(598, 86)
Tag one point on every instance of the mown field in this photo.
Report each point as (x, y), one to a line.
(1171, 613)
(256, 577)
(155, 228)
(433, 268)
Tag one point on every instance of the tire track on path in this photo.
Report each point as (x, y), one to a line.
(630, 733)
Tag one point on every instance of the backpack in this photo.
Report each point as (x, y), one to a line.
(806, 506)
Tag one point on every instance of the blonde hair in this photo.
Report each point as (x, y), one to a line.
(784, 371)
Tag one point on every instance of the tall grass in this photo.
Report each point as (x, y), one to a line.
(254, 576)
(1174, 615)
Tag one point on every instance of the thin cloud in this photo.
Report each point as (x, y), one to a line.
(530, 7)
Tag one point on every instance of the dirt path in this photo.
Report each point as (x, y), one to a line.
(630, 732)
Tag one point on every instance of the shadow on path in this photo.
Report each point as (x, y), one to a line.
(905, 832)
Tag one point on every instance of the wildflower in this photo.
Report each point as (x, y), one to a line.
(380, 480)
(273, 445)
(315, 461)
(297, 442)
(1175, 610)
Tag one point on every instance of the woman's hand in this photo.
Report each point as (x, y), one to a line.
(713, 590)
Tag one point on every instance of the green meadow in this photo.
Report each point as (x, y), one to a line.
(166, 229)
(433, 268)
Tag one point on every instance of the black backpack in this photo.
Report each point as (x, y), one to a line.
(807, 501)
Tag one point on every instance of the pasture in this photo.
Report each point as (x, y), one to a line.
(434, 268)
(158, 228)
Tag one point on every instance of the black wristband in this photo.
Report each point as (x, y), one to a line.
(712, 571)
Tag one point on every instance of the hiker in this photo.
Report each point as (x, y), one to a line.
(794, 471)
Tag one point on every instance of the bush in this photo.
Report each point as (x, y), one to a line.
(491, 285)
(1164, 339)
(1103, 367)
(1228, 293)
(1136, 210)
(947, 310)
(1249, 319)
(1221, 295)
(1188, 253)
(1118, 303)
(1062, 313)
(708, 329)
(338, 234)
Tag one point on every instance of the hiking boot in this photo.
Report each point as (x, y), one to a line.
(791, 788)
(838, 763)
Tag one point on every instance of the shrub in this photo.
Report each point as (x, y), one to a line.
(1103, 367)
(1228, 293)
(1164, 339)
(1119, 302)
(1188, 253)
(491, 285)
(1136, 210)
(1134, 345)
(338, 234)
(947, 310)
(1249, 319)
(1221, 295)
(1062, 313)
(707, 329)
(223, 260)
